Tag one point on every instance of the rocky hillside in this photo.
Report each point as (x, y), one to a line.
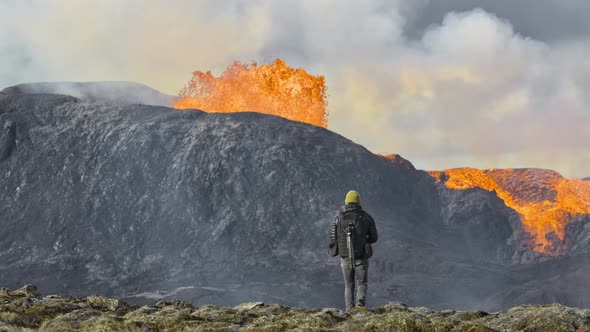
(545, 201)
(146, 202)
(25, 309)
(106, 92)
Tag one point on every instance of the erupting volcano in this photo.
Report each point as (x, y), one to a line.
(270, 88)
(545, 201)
(169, 197)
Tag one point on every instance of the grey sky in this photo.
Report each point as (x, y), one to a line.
(545, 20)
(444, 83)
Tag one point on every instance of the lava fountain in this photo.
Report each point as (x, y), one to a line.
(275, 89)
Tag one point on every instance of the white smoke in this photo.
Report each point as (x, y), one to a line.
(159, 43)
(468, 92)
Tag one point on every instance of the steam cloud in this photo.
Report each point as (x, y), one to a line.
(468, 91)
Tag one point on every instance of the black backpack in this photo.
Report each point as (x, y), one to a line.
(360, 233)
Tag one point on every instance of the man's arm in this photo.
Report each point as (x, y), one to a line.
(372, 230)
(334, 238)
(333, 231)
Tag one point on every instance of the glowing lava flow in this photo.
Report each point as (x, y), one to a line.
(272, 89)
(545, 201)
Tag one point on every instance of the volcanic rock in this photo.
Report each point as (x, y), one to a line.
(103, 196)
(544, 200)
(248, 306)
(397, 159)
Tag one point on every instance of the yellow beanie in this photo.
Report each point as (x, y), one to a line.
(352, 197)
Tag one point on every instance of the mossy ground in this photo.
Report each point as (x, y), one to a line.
(26, 310)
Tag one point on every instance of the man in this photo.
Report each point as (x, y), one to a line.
(353, 230)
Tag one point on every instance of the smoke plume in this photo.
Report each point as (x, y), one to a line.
(466, 91)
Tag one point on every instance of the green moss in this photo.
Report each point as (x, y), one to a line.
(107, 323)
(176, 321)
(292, 319)
(141, 325)
(43, 312)
(233, 317)
(21, 320)
(395, 321)
(11, 318)
(72, 321)
(18, 313)
(11, 328)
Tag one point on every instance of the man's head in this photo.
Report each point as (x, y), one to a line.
(352, 197)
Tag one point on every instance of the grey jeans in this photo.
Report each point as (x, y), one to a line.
(352, 278)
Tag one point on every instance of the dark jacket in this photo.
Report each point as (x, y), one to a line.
(365, 228)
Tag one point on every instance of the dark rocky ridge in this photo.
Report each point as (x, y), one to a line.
(108, 92)
(146, 202)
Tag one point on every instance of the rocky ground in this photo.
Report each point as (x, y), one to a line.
(25, 309)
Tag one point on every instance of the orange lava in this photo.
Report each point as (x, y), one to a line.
(545, 201)
(270, 88)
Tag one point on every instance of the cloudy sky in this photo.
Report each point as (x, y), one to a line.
(444, 83)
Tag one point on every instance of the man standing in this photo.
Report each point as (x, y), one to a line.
(351, 235)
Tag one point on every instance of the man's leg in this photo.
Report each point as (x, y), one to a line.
(362, 271)
(348, 273)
